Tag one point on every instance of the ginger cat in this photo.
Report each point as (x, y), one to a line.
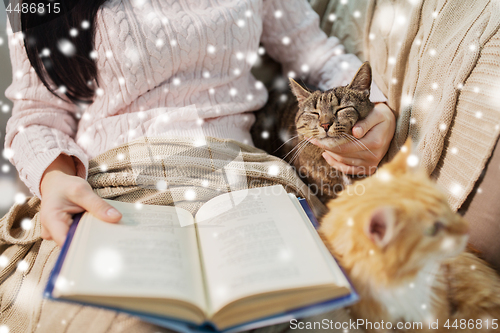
(403, 249)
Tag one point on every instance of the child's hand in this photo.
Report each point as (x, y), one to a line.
(375, 133)
(64, 195)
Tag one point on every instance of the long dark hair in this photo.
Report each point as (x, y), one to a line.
(43, 34)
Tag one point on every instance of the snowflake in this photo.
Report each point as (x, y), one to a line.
(161, 185)
(304, 68)
(4, 261)
(454, 150)
(22, 266)
(121, 80)
(204, 183)
(357, 14)
(332, 17)
(443, 127)
(432, 52)
(4, 329)
(8, 153)
(5, 108)
(384, 175)
(249, 97)
(164, 20)
(206, 74)
(259, 85)
(278, 14)
(103, 167)
(473, 267)
(283, 98)
(240, 23)
(476, 90)
(85, 24)
(286, 40)
(261, 50)
(472, 47)
(401, 19)
(394, 80)
(62, 89)
(176, 81)
(460, 86)
(138, 205)
(66, 47)
(424, 306)
(159, 42)
(93, 54)
(211, 91)
(99, 92)
(252, 58)
(350, 222)
(120, 157)
(273, 170)
(73, 32)
(173, 42)
(479, 114)
(456, 189)
(237, 71)
(344, 65)
(233, 91)
(291, 74)
(26, 224)
(240, 55)
(265, 134)
(435, 86)
(371, 252)
(430, 98)
(45, 52)
(435, 14)
(211, 49)
(5, 168)
(1, 41)
(371, 36)
(391, 60)
(412, 285)
(190, 195)
(344, 2)
(412, 160)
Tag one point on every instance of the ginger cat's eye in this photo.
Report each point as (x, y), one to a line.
(435, 228)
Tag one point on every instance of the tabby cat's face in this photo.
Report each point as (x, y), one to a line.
(330, 116)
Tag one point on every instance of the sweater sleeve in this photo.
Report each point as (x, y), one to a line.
(292, 36)
(42, 126)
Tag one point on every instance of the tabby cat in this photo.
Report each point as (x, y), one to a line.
(289, 118)
(403, 249)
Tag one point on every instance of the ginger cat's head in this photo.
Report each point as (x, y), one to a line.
(329, 116)
(386, 228)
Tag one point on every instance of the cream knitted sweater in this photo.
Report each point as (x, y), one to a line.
(169, 67)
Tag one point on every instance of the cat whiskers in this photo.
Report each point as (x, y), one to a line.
(299, 150)
(284, 143)
(356, 141)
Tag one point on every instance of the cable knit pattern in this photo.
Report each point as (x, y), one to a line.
(170, 67)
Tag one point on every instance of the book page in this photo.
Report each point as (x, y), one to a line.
(147, 254)
(262, 244)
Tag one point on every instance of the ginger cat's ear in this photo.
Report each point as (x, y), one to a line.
(299, 92)
(381, 226)
(404, 161)
(363, 79)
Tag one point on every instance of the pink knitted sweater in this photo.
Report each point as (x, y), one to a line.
(169, 67)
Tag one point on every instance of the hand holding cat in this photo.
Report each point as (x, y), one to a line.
(375, 132)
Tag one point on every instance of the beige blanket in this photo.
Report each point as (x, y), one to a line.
(136, 172)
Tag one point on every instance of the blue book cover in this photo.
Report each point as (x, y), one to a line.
(183, 326)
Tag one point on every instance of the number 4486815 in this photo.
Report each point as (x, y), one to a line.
(472, 324)
(34, 8)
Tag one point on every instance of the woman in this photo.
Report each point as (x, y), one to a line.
(140, 59)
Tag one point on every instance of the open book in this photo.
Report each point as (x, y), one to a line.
(246, 257)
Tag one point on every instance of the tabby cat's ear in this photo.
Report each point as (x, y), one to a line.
(363, 79)
(299, 92)
(404, 161)
(381, 226)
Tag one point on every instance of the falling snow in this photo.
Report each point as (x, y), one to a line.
(66, 47)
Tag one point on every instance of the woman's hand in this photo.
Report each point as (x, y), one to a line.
(375, 132)
(64, 194)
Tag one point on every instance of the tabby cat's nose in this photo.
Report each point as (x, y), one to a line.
(326, 126)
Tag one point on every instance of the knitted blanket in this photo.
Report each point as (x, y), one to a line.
(151, 171)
